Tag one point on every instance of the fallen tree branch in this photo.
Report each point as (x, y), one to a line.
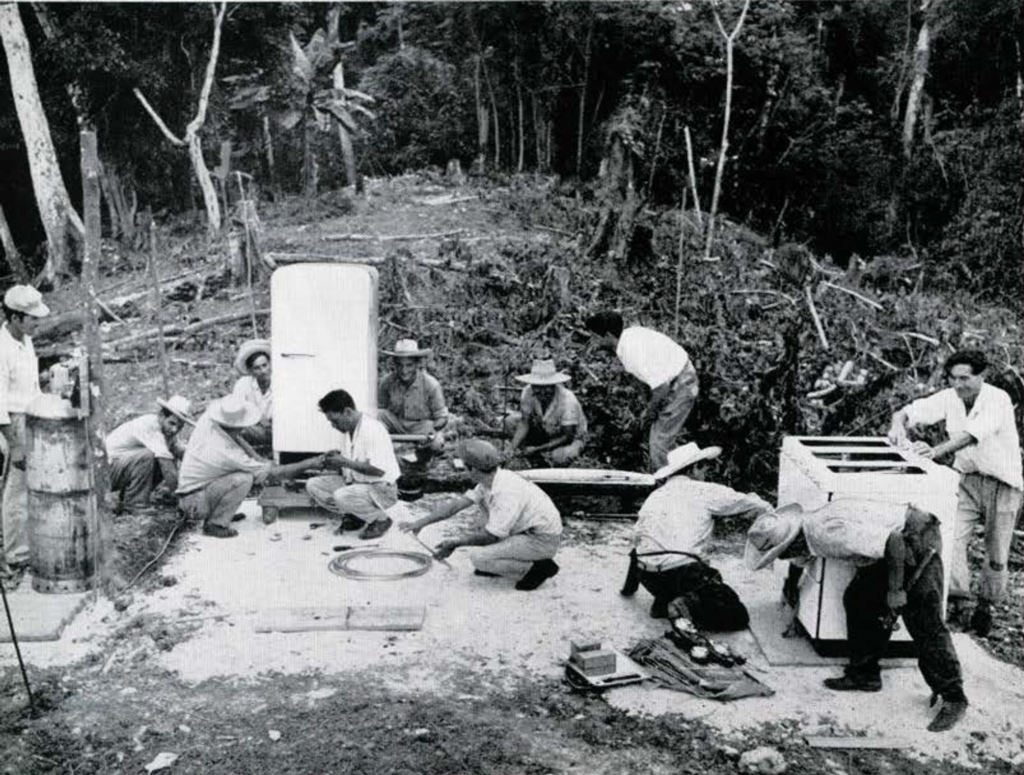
(753, 292)
(881, 360)
(855, 295)
(186, 330)
(814, 316)
(389, 238)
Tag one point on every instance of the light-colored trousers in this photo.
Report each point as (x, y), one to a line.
(667, 426)
(219, 501)
(994, 504)
(514, 555)
(367, 501)
(14, 509)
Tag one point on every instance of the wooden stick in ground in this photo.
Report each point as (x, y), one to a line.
(158, 315)
(693, 177)
(814, 316)
(679, 262)
(95, 420)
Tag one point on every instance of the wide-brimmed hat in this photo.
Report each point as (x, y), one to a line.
(771, 534)
(248, 349)
(479, 454)
(686, 455)
(179, 406)
(25, 298)
(233, 412)
(408, 348)
(543, 372)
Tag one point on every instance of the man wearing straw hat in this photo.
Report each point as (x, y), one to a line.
(220, 467)
(521, 529)
(411, 400)
(671, 537)
(661, 364)
(253, 387)
(550, 425)
(143, 454)
(19, 385)
(897, 549)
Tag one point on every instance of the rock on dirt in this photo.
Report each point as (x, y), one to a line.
(762, 761)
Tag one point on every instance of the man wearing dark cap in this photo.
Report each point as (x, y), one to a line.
(522, 530)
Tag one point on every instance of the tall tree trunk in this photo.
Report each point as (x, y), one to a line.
(583, 100)
(730, 39)
(348, 153)
(192, 141)
(521, 156)
(922, 53)
(96, 419)
(60, 221)
(538, 133)
(310, 169)
(11, 250)
(268, 149)
(482, 117)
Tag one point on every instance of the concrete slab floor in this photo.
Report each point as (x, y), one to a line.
(484, 629)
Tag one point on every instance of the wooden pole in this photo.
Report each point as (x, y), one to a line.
(158, 315)
(95, 419)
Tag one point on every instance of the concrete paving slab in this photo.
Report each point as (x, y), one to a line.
(38, 616)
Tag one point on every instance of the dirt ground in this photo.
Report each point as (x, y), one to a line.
(479, 689)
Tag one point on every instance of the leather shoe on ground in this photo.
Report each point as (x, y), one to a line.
(981, 620)
(659, 609)
(349, 522)
(219, 531)
(376, 529)
(539, 572)
(845, 683)
(238, 517)
(949, 716)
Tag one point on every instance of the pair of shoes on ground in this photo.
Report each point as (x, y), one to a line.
(539, 572)
(848, 683)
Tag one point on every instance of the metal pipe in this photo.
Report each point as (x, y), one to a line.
(17, 650)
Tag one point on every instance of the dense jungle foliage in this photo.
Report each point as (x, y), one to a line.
(821, 150)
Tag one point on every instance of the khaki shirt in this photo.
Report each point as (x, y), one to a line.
(422, 400)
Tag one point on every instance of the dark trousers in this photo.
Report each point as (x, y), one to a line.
(865, 603)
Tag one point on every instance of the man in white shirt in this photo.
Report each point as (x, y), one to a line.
(143, 453)
(983, 439)
(521, 529)
(671, 537)
(663, 366)
(19, 386)
(366, 486)
(220, 467)
(253, 387)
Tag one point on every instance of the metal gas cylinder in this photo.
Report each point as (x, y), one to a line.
(63, 522)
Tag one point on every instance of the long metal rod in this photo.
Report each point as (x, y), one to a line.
(445, 563)
(17, 649)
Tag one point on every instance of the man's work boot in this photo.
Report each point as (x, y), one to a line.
(539, 572)
(949, 715)
(981, 619)
(846, 683)
(375, 529)
(219, 531)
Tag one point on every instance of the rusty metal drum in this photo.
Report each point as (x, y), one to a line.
(63, 522)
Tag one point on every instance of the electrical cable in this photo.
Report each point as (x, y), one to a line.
(340, 564)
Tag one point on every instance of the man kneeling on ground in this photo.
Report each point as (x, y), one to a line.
(144, 454)
(522, 528)
(220, 468)
(671, 537)
(898, 552)
(366, 487)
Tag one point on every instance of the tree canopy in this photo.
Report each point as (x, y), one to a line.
(822, 149)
